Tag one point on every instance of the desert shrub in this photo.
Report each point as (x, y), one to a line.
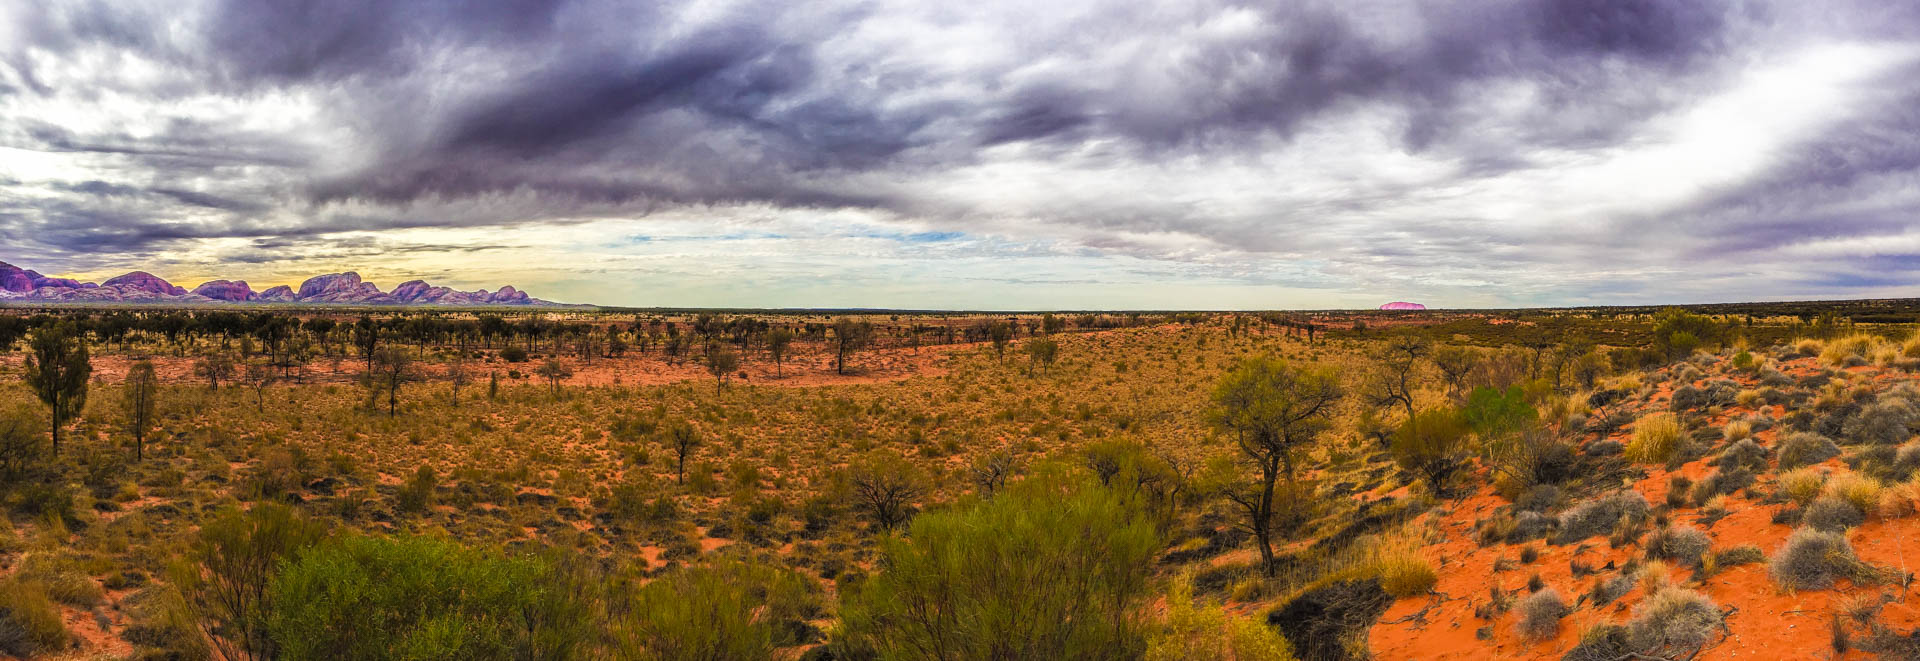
(731, 609)
(1432, 443)
(513, 355)
(1743, 454)
(1885, 422)
(1850, 350)
(1530, 525)
(1600, 516)
(30, 624)
(1402, 566)
(1744, 554)
(1738, 430)
(1805, 449)
(236, 556)
(163, 624)
(1906, 459)
(1606, 590)
(61, 578)
(1070, 556)
(1813, 560)
(1206, 632)
(1540, 614)
(421, 598)
(1860, 491)
(1602, 642)
(1832, 514)
(1674, 623)
(1540, 498)
(1687, 398)
(1604, 448)
(1721, 481)
(1656, 439)
(417, 494)
(1802, 485)
(1899, 500)
(1679, 542)
(1331, 619)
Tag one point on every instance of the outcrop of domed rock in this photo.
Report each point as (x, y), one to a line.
(226, 290)
(21, 285)
(1403, 305)
(146, 282)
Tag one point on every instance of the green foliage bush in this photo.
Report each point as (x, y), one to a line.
(1054, 567)
(1432, 443)
(729, 609)
(421, 598)
(30, 625)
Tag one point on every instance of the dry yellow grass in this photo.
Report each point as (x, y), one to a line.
(1656, 438)
(1900, 500)
(1858, 490)
(1737, 430)
(1802, 485)
(1840, 352)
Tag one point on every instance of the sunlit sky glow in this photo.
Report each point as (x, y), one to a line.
(1012, 155)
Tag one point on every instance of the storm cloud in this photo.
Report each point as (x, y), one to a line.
(1268, 154)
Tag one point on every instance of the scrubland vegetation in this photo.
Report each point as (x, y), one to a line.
(314, 484)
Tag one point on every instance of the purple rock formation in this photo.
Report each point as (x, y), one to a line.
(1403, 305)
(329, 284)
(144, 282)
(15, 280)
(280, 294)
(18, 284)
(226, 290)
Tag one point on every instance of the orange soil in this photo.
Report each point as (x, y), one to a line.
(1765, 621)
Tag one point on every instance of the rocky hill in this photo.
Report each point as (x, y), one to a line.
(22, 285)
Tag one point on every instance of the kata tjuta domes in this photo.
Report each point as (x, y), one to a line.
(1403, 305)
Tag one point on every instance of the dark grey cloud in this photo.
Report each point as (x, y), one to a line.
(300, 119)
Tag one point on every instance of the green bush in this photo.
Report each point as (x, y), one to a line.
(420, 598)
(728, 610)
(1432, 443)
(417, 494)
(29, 622)
(1052, 568)
(236, 557)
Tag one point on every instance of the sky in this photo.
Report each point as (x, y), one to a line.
(1144, 154)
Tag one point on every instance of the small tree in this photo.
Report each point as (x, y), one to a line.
(57, 372)
(1432, 443)
(849, 338)
(493, 385)
(1041, 352)
(682, 440)
(215, 368)
(391, 368)
(1000, 333)
(20, 449)
(137, 400)
(457, 376)
(554, 372)
(259, 376)
(1455, 364)
(885, 485)
(1398, 374)
(721, 362)
(1271, 411)
(778, 341)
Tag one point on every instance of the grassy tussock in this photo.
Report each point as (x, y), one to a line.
(1656, 439)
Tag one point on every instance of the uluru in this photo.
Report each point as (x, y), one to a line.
(1403, 305)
